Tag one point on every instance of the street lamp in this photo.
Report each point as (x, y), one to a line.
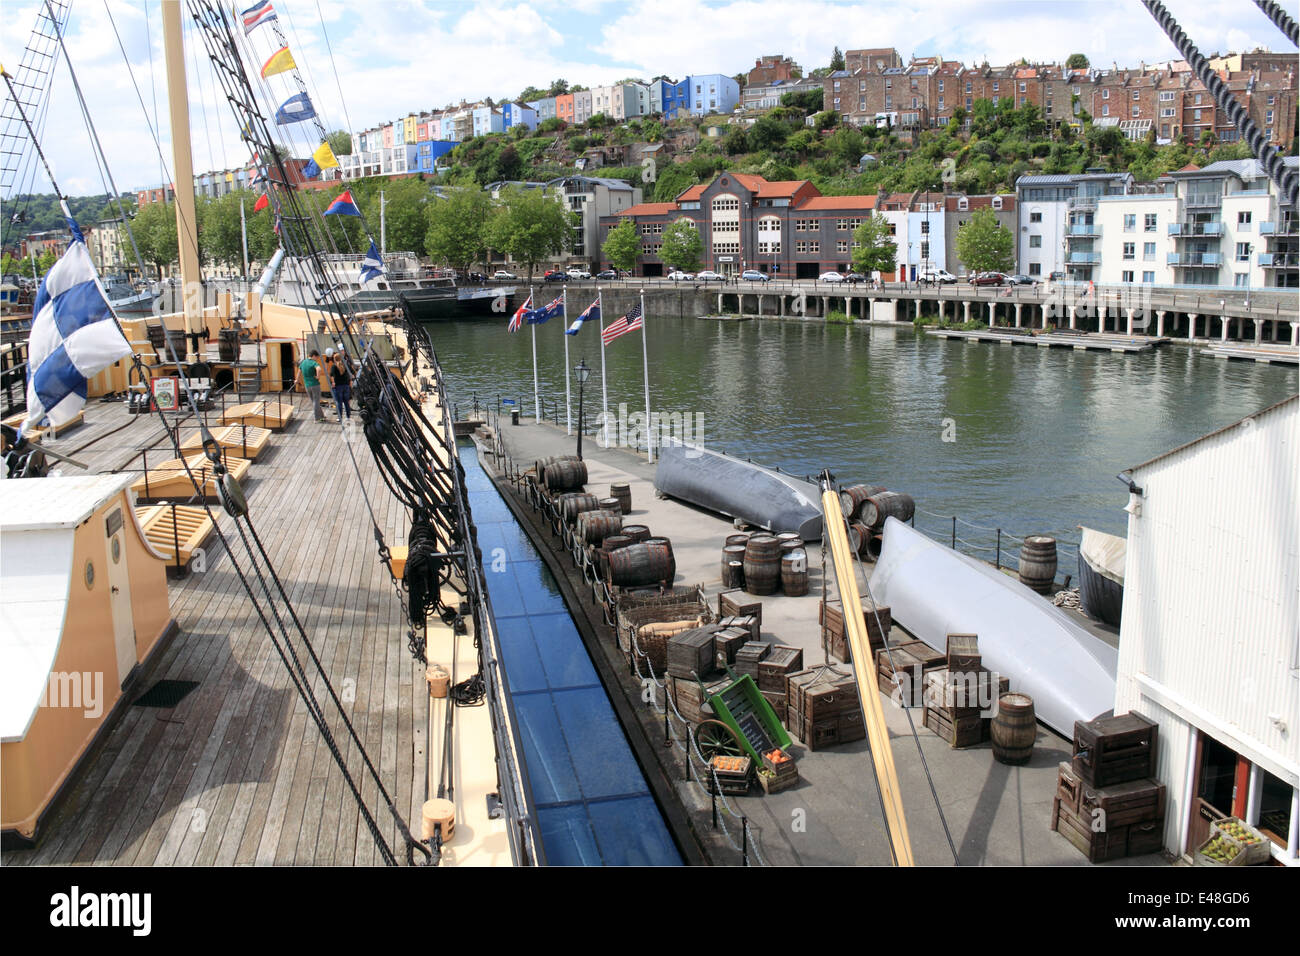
(581, 371)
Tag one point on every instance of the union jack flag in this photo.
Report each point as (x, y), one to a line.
(628, 323)
(517, 320)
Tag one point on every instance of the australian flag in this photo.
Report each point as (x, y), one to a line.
(546, 312)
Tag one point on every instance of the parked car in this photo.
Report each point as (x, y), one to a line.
(608, 274)
(708, 275)
(1056, 277)
(502, 274)
(678, 276)
(753, 275)
(830, 277)
(1019, 279)
(853, 278)
(987, 278)
(475, 277)
(576, 273)
(936, 277)
(555, 275)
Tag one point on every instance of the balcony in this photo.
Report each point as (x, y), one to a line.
(1084, 258)
(1283, 227)
(1201, 200)
(1279, 260)
(1082, 202)
(1089, 230)
(1183, 230)
(1193, 259)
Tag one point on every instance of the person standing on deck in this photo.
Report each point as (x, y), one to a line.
(341, 385)
(309, 371)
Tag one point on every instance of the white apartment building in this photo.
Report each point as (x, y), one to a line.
(1131, 235)
(590, 198)
(1057, 218)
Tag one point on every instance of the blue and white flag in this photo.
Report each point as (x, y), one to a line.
(592, 314)
(74, 336)
(294, 110)
(372, 266)
(546, 312)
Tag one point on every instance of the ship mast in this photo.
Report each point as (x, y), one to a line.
(183, 173)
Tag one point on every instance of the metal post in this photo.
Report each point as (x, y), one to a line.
(954, 532)
(998, 561)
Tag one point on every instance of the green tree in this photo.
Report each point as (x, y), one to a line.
(341, 142)
(1076, 61)
(837, 59)
(622, 246)
(458, 228)
(530, 226)
(983, 245)
(876, 249)
(220, 237)
(810, 101)
(405, 221)
(155, 233)
(672, 182)
(552, 125)
(682, 246)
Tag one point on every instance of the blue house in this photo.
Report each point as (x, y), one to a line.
(673, 99)
(517, 114)
(712, 93)
(422, 157)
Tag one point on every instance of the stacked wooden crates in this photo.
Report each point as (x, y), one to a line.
(774, 670)
(823, 708)
(912, 660)
(835, 642)
(959, 695)
(1107, 804)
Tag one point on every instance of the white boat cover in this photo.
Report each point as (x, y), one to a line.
(934, 591)
(1105, 553)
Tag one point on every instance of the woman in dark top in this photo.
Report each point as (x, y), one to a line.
(341, 385)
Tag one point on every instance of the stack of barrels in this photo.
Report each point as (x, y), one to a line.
(866, 507)
(1038, 562)
(763, 563)
(627, 555)
(565, 473)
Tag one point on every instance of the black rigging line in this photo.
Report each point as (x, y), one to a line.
(1281, 19)
(1286, 177)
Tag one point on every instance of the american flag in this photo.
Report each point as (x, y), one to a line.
(628, 323)
(517, 320)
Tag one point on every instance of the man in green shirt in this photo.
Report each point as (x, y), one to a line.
(309, 372)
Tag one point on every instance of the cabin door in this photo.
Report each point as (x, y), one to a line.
(119, 596)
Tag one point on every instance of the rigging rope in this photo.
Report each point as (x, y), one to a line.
(1281, 19)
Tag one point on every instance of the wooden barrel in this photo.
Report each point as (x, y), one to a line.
(623, 492)
(637, 532)
(672, 560)
(734, 539)
(575, 504)
(794, 573)
(788, 546)
(733, 574)
(566, 474)
(853, 497)
(730, 553)
(611, 504)
(887, 504)
(1038, 562)
(785, 536)
(641, 564)
(762, 564)
(593, 527)
(539, 467)
(616, 541)
(1014, 729)
(872, 546)
(863, 533)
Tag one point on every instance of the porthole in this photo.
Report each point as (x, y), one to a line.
(90, 575)
(116, 550)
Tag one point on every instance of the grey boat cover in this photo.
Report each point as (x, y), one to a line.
(1105, 553)
(934, 591)
(739, 489)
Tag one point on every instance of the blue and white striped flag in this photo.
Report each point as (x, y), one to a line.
(592, 313)
(74, 336)
(372, 266)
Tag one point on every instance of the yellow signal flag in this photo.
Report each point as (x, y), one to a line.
(280, 61)
(324, 157)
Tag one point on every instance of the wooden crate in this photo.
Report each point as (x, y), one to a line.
(691, 653)
(827, 731)
(780, 662)
(1112, 750)
(734, 603)
(750, 623)
(965, 731)
(963, 652)
(1136, 801)
(1146, 837)
(1097, 845)
(821, 692)
(690, 698)
(1069, 786)
(727, 642)
(772, 783)
(830, 615)
(967, 694)
(749, 656)
(915, 659)
(731, 775)
(777, 701)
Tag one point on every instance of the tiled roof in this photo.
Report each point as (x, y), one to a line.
(649, 209)
(837, 202)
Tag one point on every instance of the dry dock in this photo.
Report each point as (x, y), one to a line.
(996, 814)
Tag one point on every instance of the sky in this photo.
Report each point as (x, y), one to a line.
(392, 57)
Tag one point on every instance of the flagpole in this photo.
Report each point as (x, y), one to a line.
(604, 390)
(537, 398)
(243, 237)
(645, 358)
(564, 329)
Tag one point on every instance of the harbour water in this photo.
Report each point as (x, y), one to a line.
(1026, 440)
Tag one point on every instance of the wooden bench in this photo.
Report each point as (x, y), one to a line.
(168, 479)
(241, 441)
(266, 413)
(175, 530)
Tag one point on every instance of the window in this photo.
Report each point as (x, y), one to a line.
(1035, 242)
(968, 86)
(914, 104)
(1035, 217)
(1196, 116)
(1105, 94)
(815, 247)
(1022, 87)
(726, 225)
(837, 86)
(925, 227)
(841, 245)
(1268, 116)
(862, 85)
(1129, 251)
(805, 225)
(1135, 96)
(769, 224)
(842, 224)
(1126, 275)
(726, 202)
(941, 102)
(1148, 277)
(1243, 252)
(1137, 111)
(1167, 96)
(1149, 222)
(1241, 279)
(913, 82)
(995, 86)
(1198, 99)
(889, 102)
(1243, 221)
(968, 102)
(1130, 221)
(724, 248)
(1166, 114)
(1148, 252)
(1105, 109)
(1270, 99)
(1035, 268)
(773, 248)
(889, 84)
(925, 251)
